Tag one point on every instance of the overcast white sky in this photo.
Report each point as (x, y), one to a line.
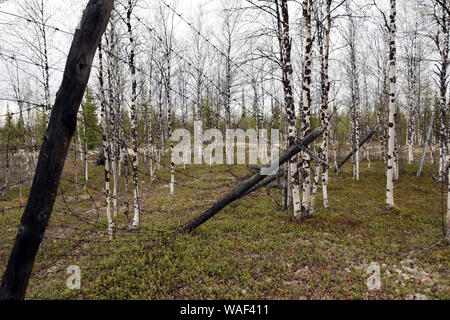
(66, 15)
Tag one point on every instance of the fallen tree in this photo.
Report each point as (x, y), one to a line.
(363, 142)
(246, 186)
(54, 149)
(280, 173)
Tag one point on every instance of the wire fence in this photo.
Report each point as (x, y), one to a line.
(85, 229)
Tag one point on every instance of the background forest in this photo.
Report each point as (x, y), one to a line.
(362, 213)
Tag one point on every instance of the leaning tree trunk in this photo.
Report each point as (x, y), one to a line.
(392, 108)
(54, 149)
(362, 142)
(252, 182)
(134, 121)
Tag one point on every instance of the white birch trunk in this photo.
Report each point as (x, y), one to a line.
(85, 151)
(170, 122)
(315, 186)
(357, 139)
(106, 147)
(75, 167)
(392, 108)
(324, 117)
(112, 127)
(412, 110)
(306, 122)
(285, 53)
(134, 121)
(444, 50)
(7, 163)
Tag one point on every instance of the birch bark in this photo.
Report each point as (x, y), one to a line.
(134, 120)
(106, 146)
(392, 107)
(306, 122)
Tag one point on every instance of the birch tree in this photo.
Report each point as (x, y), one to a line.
(392, 106)
(285, 45)
(355, 106)
(325, 89)
(112, 61)
(442, 44)
(167, 28)
(37, 12)
(85, 148)
(412, 93)
(230, 28)
(134, 118)
(306, 111)
(105, 143)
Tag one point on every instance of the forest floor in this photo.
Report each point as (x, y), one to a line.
(250, 250)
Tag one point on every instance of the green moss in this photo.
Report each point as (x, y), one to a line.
(250, 250)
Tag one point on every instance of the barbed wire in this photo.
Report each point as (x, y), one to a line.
(103, 49)
(113, 139)
(30, 20)
(21, 101)
(160, 82)
(177, 54)
(15, 184)
(14, 58)
(215, 47)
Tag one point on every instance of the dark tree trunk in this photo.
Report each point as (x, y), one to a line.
(101, 157)
(280, 174)
(54, 149)
(363, 142)
(250, 183)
